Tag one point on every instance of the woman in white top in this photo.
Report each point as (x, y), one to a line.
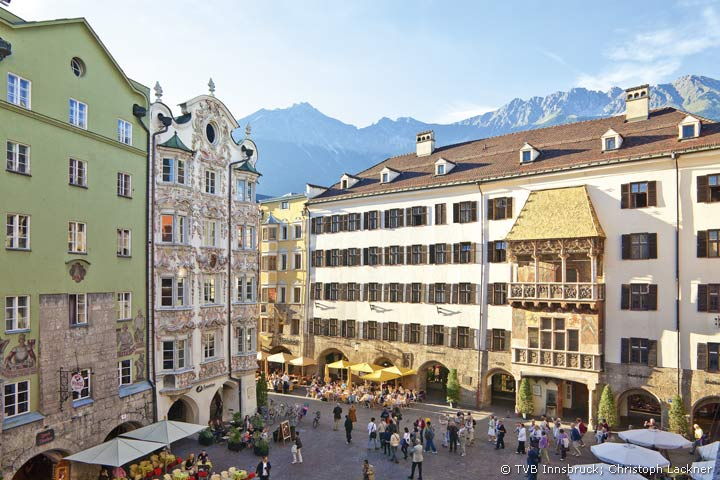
(492, 423)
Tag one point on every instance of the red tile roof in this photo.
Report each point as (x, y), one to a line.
(572, 145)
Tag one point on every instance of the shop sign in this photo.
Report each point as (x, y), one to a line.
(200, 388)
(46, 436)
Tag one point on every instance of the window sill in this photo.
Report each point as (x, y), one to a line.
(176, 309)
(133, 388)
(77, 253)
(22, 419)
(24, 174)
(124, 256)
(123, 319)
(212, 305)
(79, 325)
(172, 244)
(177, 371)
(210, 360)
(78, 186)
(129, 197)
(13, 249)
(18, 330)
(83, 402)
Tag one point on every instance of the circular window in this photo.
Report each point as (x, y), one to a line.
(78, 66)
(210, 133)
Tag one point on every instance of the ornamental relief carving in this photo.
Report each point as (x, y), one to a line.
(212, 320)
(244, 362)
(212, 369)
(218, 153)
(169, 259)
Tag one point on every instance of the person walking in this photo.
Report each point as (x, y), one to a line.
(575, 438)
(698, 436)
(368, 471)
(297, 449)
(557, 426)
(521, 432)
(262, 471)
(372, 429)
(417, 460)
(394, 444)
(348, 429)
(405, 443)
(543, 446)
(462, 439)
(352, 413)
(533, 459)
(430, 438)
(491, 429)
(337, 416)
(500, 432)
(443, 421)
(453, 434)
(470, 428)
(563, 443)
(384, 437)
(582, 428)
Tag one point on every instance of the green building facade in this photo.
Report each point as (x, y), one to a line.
(73, 264)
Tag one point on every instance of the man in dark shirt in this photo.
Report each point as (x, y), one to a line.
(501, 431)
(337, 415)
(263, 469)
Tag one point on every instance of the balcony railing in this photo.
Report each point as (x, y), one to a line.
(557, 291)
(548, 358)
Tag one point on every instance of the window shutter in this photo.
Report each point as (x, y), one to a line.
(652, 297)
(624, 350)
(312, 291)
(490, 209)
(423, 293)
(344, 224)
(625, 195)
(326, 224)
(702, 244)
(625, 297)
(455, 293)
(386, 254)
(385, 331)
(312, 226)
(431, 294)
(490, 251)
(328, 257)
(423, 254)
(432, 254)
(626, 247)
(327, 291)
(652, 194)
(703, 189)
(702, 356)
(386, 292)
(702, 298)
(474, 252)
(321, 258)
(408, 292)
(652, 353)
(343, 291)
(365, 256)
(366, 222)
(401, 220)
(448, 292)
(488, 339)
(490, 296)
(473, 293)
(453, 337)
(343, 328)
(474, 339)
(473, 211)
(408, 216)
(508, 207)
(426, 216)
(408, 254)
(456, 252)
(364, 329)
(366, 292)
(508, 337)
(456, 212)
(428, 335)
(652, 245)
(387, 218)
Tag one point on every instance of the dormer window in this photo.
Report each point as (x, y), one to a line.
(440, 170)
(443, 166)
(344, 184)
(689, 128)
(528, 154)
(611, 140)
(610, 143)
(347, 181)
(385, 177)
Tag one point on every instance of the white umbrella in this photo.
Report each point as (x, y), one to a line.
(703, 470)
(629, 455)
(600, 471)
(655, 438)
(165, 431)
(709, 451)
(116, 452)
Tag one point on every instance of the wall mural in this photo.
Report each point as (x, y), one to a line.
(21, 359)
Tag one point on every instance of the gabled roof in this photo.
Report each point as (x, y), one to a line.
(246, 166)
(271, 220)
(556, 213)
(176, 143)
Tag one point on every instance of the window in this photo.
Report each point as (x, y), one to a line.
(124, 305)
(395, 255)
(439, 254)
(639, 350)
(413, 333)
(498, 340)
(298, 231)
(497, 251)
(466, 293)
(332, 328)
(533, 337)
(438, 292)
(417, 216)
(269, 233)
(85, 392)
(240, 189)
(250, 290)
(372, 220)
(250, 195)
(385, 178)
(125, 372)
(173, 228)
(708, 188)
(16, 398)
(372, 330)
(17, 313)
(638, 195)
(332, 291)
(297, 261)
(526, 156)
(124, 132)
(395, 292)
(552, 335)
(174, 354)
(17, 233)
(123, 243)
(18, 91)
(77, 113)
(497, 293)
(283, 261)
(688, 131)
(500, 208)
(437, 335)
(173, 171)
(316, 225)
(209, 233)
(393, 332)
(416, 291)
(77, 239)
(353, 292)
(639, 246)
(440, 170)
(393, 218)
(283, 296)
(284, 232)
(353, 223)
(374, 292)
(610, 143)
(708, 298)
(208, 345)
(210, 181)
(250, 238)
(209, 290)
(713, 359)
(440, 214)
(124, 185)
(297, 295)
(18, 158)
(172, 292)
(77, 66)
(463, 253)
(284, 205)
(639, 296)
(373, 256)
(77, 173)
(465, 212)
(77, 308)
(463, 337)
(269, 262)
(708, 243)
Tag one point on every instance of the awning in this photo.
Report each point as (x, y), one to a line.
(380, 376)
(628, 455)
(401, 371)
(339, 364)
(262, 356)
(165, 431)
(555, 214)
(302, 362)
(116, 452)
(281, 357)
(365, 368)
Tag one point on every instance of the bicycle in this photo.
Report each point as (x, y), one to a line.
(316, 420)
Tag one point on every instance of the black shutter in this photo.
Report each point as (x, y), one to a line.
(431, 295)
(488, 339)
(652, 353)
(408, 254)
(344, 223)
(455, 296)
(432, 254)
(490, 209)
(399, 217)
(473, 293)
(702, 299)
(312, 226)
(702, 356)
(366, 216)
(652, 297)
(626, 246)
(702, 244)
(490, 294)
(474, 252)
(364, 330)
(448, 293)
(456, 253)
(624, 350)
(327, 291)
(328, 258)
(366, 257)
(652, 244)
(508, 207)
(625, 195)
(366, 292)
(456, 212)
(312, 291)
(408, 216)
(652, 194)
(490, 251)
(625, 297)
(473, 211)
(386, 214)
(386, 255)
(703, 189)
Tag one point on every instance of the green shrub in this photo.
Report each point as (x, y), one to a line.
(261, 391)
(678, 417)
(237, 419)
(234, 441)
(453, 388)
(257, 422)
(262, 447)
(206, 437)
(525, 404)
(607, 410)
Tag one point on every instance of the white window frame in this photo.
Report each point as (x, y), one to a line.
(86, 373)
(250, 340)
(176, 165)
(240, 340)
(210, 182)
(77, 172)
(240, 189)
(210, 233)
(125, 372)
(13, 406)
(209, 345)
(210, 290)
(250, 289)
(124, 131)
(15, 152)
(240, 237)
(178, 345)
(297, 265)
(250, 239)
(124, 306)
(285, 205)
(297, 298)
(17, 313)
(74, 116)
(124, 185)
(81, 308)
(14, 92)
(249, 191)
(77, 237)
(124, 242)
(178, 295)
(297, 232)
(17, 237)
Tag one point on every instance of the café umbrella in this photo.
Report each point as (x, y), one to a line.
(302, 362)
(340, 365)
(709, 451)
(365, 368)
(380, 376)
(703, 470)
(165, 431)
(262, 357)
(600, 471)
(116, 452)
(281, 357)
(401, 371)
(654, 438)
(629, 455)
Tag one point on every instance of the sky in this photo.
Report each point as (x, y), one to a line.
(360, 60)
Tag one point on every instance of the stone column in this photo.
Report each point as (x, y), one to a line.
(517, 393)
(591, 410)
(563, 267)
(536, 268)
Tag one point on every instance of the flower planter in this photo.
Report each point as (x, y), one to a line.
(235, 447)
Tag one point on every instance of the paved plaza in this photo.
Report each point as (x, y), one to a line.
(328, 457)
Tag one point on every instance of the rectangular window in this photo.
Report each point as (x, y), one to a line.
(466, 294)
(417, 216)
(17, 313)
(124, 305)
(373, 256)
(167, 228)
(172, 292)
(353, 292)
(713, 360)
(526, 156)
(174, 354)
(297, 295)
(283, 261)
(16, 398)
(77, 237)
(500, 208)
(464, 212)
(465, 253)
(77, 171)
(395, 256)
(497, 251)
(124, 132)
(498, 342)
(77, 114)
(610, 143)
(250, 290)
(250, 240)
(497, 293)
(284, 232)
(573, 340)
(639, 246)
(708, 299)
(638, 195)
(414, 333)
(123, 243)
(240, 189)
(394, 218)
(440, 214)
(393, 332)
(688, 131)
(335, 222)
(209, 290)
(416, 293)
(372, 330)
(17, 233)
(209, 233)
(125, 372)
(463, 337)
(285, 205)
(18, 158)
(77, 309)
(639, 350)
(297, 263)
(18, 91)
(168, 170)
(353, 222)
(208, 345)
(283, 296)
(395, 292)
(439, 254)
(86, 391)
(437, 335)
(640, 296)
(332, 329)
(439, 295)
(210, 177)
(533, 337)
(373, 220)
(124, 185)
(374, 292)
(298, 232)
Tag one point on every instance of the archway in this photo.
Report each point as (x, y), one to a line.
(384, 362)
(433, 379)
(122, 428)
(501, 389)
(216, 407)
(636, 406)
(706, 413)
(331, 355)
(557, 397)
(183, 410)
(229, 394)
(48, 465)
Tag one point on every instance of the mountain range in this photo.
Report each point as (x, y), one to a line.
(300, 144)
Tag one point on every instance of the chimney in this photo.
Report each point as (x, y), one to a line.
(425, 143)
(637, 103)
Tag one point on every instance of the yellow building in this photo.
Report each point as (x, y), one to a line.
(283, 274)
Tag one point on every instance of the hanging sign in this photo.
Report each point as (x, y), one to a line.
(77, 383)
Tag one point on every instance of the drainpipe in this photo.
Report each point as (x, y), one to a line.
(482, 295)
(674, 156)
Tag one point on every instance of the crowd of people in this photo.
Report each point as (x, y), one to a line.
(369, 396)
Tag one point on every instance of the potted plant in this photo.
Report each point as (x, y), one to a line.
(261, 446)
(234, 442)
(257, 422)
(606, 408)
(525, 405)
(206, 437)
(237, 420)
(678, 417)
(453, 388)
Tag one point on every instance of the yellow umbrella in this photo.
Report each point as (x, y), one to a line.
(380, 376)
(401, 371)
(365, 368)
(340, 364)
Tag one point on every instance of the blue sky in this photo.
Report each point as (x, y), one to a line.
(437, 61)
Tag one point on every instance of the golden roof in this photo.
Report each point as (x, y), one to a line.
(556, 213)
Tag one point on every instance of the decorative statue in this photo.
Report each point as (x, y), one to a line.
(125, 340)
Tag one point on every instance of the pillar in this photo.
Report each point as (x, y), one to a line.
(563, 267)
(517, 393)
(591, 411)
(537, 268)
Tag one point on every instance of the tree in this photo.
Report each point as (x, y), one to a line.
(678, 417)
(525, 404)
(607, 410)
(261, 391)
(453, 388)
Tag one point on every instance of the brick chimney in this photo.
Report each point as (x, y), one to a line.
(425, 143)
(637, 103)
